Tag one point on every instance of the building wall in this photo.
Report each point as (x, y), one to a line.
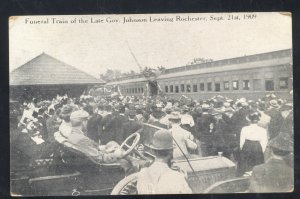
(48, 92)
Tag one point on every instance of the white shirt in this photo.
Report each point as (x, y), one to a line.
(187, 119)
(165, 120)
(184, 139)
(254, 132)
(65, 128)
(27, 113)
(160, 179)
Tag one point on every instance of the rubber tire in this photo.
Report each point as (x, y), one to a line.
(123, 183)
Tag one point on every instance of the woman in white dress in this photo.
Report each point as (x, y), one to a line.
(253, 143)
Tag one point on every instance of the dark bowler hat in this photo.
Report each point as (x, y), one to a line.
(282, 142)
(162, 140)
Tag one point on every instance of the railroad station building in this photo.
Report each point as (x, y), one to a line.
(47, 76)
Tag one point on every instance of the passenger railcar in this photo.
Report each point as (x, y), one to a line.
(251, 76)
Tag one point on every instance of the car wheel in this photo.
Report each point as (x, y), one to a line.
(126, 186)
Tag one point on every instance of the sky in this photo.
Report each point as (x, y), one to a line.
(96, 47)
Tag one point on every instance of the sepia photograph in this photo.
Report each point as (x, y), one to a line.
(140, 104)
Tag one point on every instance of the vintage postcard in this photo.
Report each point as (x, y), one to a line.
(188, 103)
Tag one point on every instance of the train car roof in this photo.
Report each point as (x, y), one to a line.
(276, 58)
(232, 67)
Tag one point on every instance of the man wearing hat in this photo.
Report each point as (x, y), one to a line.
(165, 119)
(274, 175)
(183, 138)
(204, 130)
(107, 131)
(131, 125)
(140, 113)
(187, 121)
(288, 123)
(276, 119)
(156, 116)
(93, 124)
(159, 178)
(157, 113)
(118, 121)
(87, 146)
(264, 119)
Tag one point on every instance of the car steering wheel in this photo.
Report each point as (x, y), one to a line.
(127, 147)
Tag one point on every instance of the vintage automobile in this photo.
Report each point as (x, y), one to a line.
(73, 173)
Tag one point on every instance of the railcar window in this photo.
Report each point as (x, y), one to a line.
(209, 86)
(283, 83)
(188, 88)
(246, 84)
(171, 89)
(269, 85)
(127, 90)
(195, 88)
(142, 90)
(235, 85)
(176, 89)
(226, 85)
(166, 89)
(217, 87)
(201, 86)
(139, 90)
(182, 87)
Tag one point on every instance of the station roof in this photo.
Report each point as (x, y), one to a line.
(47, 70)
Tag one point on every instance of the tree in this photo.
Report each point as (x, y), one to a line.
(110, 75)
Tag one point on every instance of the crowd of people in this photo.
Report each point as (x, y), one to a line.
(241, 130)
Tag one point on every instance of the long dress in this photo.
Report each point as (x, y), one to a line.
(253, 142)
(251, 155)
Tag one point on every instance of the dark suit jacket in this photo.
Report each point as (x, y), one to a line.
(93, 125)
(52, 126)
(239, 121)
(275, 122)
(288, 124)
(273, 176)
(118, 122)
(202, 131)
(130, 127)
(43, 129)
(107, 133)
